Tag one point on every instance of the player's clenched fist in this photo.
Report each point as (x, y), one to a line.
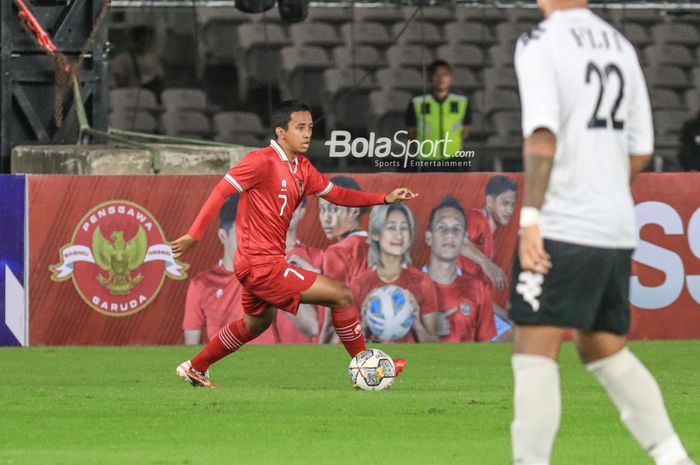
(400, 195)
(183, 245)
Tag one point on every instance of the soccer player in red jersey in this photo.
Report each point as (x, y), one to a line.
(466, 312)
(272, 181)
(214, 297)
(391, 232)
(347, 258)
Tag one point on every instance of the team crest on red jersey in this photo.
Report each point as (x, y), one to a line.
(118, 259)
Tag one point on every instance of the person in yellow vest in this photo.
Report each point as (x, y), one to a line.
(441, 116)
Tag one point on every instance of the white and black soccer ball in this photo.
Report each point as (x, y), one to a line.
(389, 312)
(372, 370)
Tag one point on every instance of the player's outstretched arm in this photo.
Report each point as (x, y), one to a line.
(400, 195)
(222, 191)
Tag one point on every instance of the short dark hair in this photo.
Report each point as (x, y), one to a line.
(432, 67)
(500, 184)
(227, 214)
(283, 113)
(348, 183)
(447, 202)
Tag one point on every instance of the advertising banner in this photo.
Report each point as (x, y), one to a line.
(13, 311)
(101, 270)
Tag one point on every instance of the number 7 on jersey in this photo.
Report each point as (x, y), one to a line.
(284, 202)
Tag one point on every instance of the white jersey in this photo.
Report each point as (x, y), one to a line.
(581, 79)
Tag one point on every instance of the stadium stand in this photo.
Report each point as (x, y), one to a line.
(347, 61)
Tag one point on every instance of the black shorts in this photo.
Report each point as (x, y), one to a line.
(587, 288)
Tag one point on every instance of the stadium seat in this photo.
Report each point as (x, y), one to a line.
(478, 101)
(335, 15)
(423, 33)
(387, 112)
(345, 97)
(500, 78)
(361, 56)
(671, 77)
(301, 73)
(529, 16)
(192, 124)
(480, 128)
(695, 77)
(218, 26)
(669, 54)
(207, 16)
(665, 99)
(669, 122)
(411, 56)
(464, 80)
(507, 125)
(434, 14)
(501, 55)
(366, 33)
(407, 79)
(637, 34)
(462, 55)
(238, 122)
(692, 99)
(133, 98)
(131, 120)
(508, 33)
(379, 14)
(481, 15)
(175, 99)
(644, 16)
(319, 34)
(470, 33)
(671, 33)
(500, 100)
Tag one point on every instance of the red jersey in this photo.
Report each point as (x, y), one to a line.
(412, 280)
(271, 188)
(347, 258)
(479, 232)
(468, 303)
(310, 255)
(213, 301)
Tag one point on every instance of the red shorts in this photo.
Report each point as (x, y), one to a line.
(275, 284)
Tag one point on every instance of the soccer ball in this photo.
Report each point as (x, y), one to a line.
(389, 312)
(372, 370)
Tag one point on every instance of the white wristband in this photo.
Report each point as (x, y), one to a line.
(529, 216)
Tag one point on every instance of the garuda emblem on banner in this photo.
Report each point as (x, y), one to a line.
(118, 259)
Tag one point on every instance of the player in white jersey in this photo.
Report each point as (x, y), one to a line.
(588, 132)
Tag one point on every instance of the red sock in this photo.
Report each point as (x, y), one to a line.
(349, 330)
(229, 340)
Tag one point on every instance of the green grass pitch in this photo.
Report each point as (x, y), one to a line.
(292, 405)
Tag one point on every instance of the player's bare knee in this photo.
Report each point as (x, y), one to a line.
(344, 298)
(257, 324)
